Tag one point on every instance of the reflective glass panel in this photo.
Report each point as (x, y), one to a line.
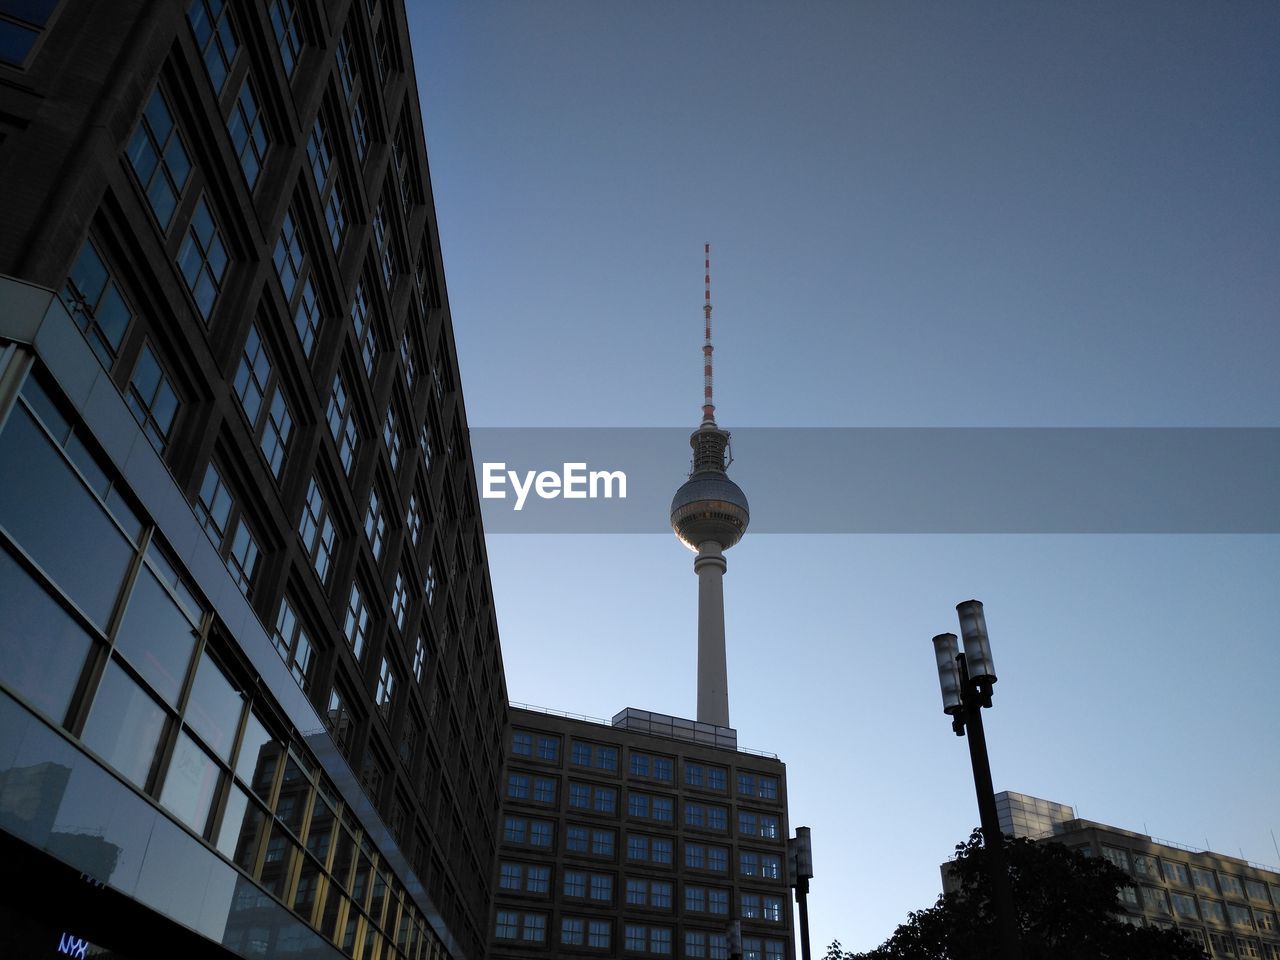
(320, 831)
(278, 861)
(156, 637)
(42, 649)
(295, 790)
(259, 756)
(57, 521)
(124, 725)
(241, 829)
(190, 783)
(213, 711)
(304, 898)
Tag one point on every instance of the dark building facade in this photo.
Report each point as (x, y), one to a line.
(644, 837)
(251, 692)
(1228, 906)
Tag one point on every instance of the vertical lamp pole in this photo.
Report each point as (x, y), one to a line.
(800, 859)
(966, 680)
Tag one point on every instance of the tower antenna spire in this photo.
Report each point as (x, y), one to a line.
(708, 404)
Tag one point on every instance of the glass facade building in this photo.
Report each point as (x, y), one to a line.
(251, 693)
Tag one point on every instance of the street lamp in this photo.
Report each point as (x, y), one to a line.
(966, 680)
(800, 860)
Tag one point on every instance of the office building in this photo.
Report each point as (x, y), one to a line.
(644, 837)
(1227, 905)
(251, 694)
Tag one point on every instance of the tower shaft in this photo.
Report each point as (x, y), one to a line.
(713, 668)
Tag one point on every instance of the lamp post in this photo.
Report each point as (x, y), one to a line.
(800, 860)
(966, 680)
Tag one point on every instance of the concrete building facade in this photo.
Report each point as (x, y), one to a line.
(1229, 906)
(251, 693)
(644, 837)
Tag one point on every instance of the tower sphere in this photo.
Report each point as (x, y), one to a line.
(709, 507)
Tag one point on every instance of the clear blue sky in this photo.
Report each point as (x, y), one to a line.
(921, 215)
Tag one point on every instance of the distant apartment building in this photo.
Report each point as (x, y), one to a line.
(1226, 905)
(644, 837)
(251, 694)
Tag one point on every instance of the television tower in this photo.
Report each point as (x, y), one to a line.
(710, 514)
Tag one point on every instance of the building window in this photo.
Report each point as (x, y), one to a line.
(601, 888)
(695, 899)
(695, 943)
(242, 558)
(93, 298)
(159, 160)
(634, 938)
(544, 790)
(317, 531)
(293, 644)
(599, 934)
(575, 883)
(1201, 879)
(509, 876)
(606, 799)
(363, 325)
(517, 786)
(515, 830)
(429, 585)
(406, 358)
(152, 399)
(359, 129)
(419, 658)
(213, 506)
(335, 217)
(288, 255)
(356, 625)
(506, 926)
(248, 133)
(540, 833)
(548, 748)
(602, 843)
(288, 33)
(216, 38)
(718, 902)
(413, 519)
(538, 880)
(400, 601)
(384, 693)
(522, 744)
(202, 259)
(575, 839)
(254, 382)
(375, 527)
(391, 437)
(306, 319)
(338, 720)
(571, 932)
(319, 151)
(341, 419)
(346, 66)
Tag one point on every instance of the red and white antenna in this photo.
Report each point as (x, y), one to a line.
(708, 405)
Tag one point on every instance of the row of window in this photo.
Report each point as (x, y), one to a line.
(1201, 879)
(531, 928)
(600, 842)
(535, 879)
(602, 799)
(1185, 906)
(584, 754)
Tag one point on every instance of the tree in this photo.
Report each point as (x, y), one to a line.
(1067, 905)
